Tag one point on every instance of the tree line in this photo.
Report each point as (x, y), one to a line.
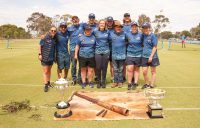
(13, 32)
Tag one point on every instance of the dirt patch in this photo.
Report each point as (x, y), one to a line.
(85, 110)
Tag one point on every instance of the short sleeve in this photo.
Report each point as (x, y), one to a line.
(154, 40)
(42, 42)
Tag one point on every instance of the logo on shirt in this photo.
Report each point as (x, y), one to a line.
(92, 40)
(137, 38)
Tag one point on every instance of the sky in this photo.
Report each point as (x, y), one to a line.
(183, 14)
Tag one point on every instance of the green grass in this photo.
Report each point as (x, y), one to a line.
(19, 65)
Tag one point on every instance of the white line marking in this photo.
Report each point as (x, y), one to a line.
(183, 87)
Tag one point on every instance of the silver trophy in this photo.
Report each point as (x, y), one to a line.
(63, 107)
(155, 110)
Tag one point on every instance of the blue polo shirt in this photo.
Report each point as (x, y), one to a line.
(149, 41)
(48, 48)
(134, 48)
(87, 46)
(102, 44)
(62, 42)
(74, 31)
(118, 45)
(127, 28)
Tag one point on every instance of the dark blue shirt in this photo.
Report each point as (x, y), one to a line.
(74, 31)
(102, 44)
(149, 41)
(87, 46)
(118, 45)
(134, 48)
(48, 48)
(127, 28)
(62, 42)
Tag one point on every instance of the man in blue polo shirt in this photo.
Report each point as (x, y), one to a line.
(127, 23)
(118, 39)
(74, 31)
(149, 55)
(62, 54)
(92, 21)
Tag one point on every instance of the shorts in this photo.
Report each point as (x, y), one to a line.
(134, 61)
(155, 62)
(49, 63)
(86, 62)
(63, 60)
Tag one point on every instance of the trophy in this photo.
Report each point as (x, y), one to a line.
(155, 110)
(63, 107)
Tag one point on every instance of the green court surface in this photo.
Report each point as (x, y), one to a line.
(21, 78)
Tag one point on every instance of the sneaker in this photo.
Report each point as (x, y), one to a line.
(114, 85)
(129, 86)
(46, 88)
(98, 85)
(103, 85)
(151, 86)
(145, 86)
(83, 85)
(134, 86)
(74, 82)
(120, 85)
(91, 85)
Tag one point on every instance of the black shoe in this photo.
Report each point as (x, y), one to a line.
(129, 86)
(46, 88)
(98, 85)
(151, 86)
(103, 84)
(145, 86)
(74, 82)
(134, 86)
(83, 85)
(79, 82)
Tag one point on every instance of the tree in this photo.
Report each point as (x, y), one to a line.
(57, 19)
(186, 33)
(14, 32)
(195, 31)
(39, 23)
(160, 22)
(142, 19)
(166, 34)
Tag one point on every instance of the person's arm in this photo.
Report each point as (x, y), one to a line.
(155, 42)
(76, 51)
(40, 49)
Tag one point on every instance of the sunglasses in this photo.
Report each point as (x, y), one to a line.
(53, 30)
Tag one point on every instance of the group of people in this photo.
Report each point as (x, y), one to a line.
(93, 45)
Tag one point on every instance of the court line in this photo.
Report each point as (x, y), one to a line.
(166, 109)
(183, 87)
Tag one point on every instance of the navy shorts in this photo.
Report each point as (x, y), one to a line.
(155, 62)
(134, 61)
(63, 60)
(49, 63)
(86, 62)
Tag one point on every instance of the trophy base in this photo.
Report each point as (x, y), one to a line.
(155, 111)
(63, 113)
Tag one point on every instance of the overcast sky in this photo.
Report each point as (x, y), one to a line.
(183, 14)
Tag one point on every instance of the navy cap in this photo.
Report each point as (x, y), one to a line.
(87, 26)
(146, 25)
(110, 18)
(126, 14)
(134, 23)
(63, 24)
(91, 16)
